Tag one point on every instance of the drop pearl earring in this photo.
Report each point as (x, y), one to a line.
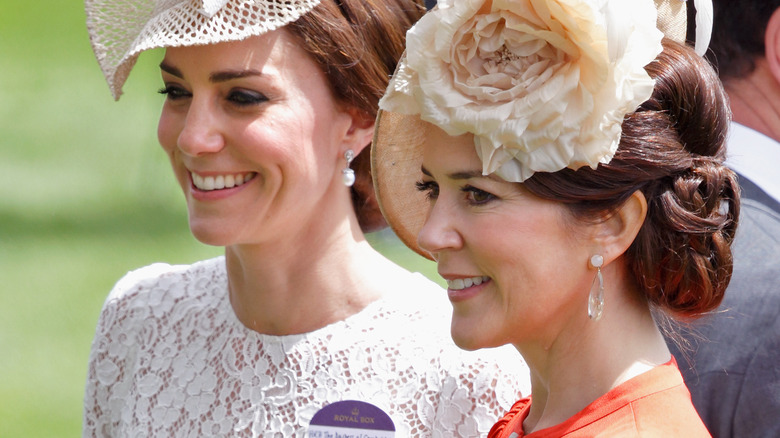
(347, 174)
(596, 301)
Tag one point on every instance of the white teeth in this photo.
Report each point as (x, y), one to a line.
(208, 183)
(463, 283)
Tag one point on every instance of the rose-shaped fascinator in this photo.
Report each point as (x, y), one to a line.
(120, 30)
(540, 85)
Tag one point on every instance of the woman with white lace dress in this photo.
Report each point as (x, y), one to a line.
(269, 106)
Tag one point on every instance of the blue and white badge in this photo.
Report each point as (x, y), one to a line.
(351, 419)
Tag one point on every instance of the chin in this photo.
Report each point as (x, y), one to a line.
(465, 337)
(209, 236)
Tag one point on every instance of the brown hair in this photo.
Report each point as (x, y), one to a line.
(672, 150)
(358, 44)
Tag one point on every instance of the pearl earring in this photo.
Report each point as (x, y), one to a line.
(596, 301)
(347, 174)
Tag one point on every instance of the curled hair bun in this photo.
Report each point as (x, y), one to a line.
(672, 149)
(683, 257)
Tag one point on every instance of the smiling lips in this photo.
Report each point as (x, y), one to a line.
(218, 182)
(463, 283)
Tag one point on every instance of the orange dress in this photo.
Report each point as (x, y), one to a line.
(655, 403)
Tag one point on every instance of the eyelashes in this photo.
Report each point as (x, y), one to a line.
(477, 196)
(241, 97)
(173, 92)
(430, 188)
(473, 195)
(238, 97)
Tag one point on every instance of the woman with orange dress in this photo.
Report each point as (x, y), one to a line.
(562, 161)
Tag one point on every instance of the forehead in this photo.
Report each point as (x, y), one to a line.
(277, 51)
(442, 152)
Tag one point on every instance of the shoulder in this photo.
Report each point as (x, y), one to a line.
(758, 231)
(667, 413)
(736, 349)
(758, 406)
(146, 321)
(752, 298)
(751, 191)
(164, 277)
(755, 281)
(151, 291)
(654, 403)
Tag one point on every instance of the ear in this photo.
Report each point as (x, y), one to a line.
(772, 44)
(615, 234)
(360, 132)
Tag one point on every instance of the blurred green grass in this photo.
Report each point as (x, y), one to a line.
(85, 196)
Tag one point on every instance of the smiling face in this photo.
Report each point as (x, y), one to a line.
(515, 270)
(255, 137)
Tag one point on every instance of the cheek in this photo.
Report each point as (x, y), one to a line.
(168, 129)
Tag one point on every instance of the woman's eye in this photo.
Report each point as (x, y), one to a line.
(430, 188)
(246, 97)
(173, 92)
(476, 196)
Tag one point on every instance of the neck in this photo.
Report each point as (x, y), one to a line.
(297, 284)
(755, 100)
(589, 358)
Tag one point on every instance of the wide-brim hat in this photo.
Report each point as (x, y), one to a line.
(397, 147)
(120, 30)
(396, 157)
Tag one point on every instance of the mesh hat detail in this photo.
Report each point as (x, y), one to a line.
(120, 30)
(408, 115)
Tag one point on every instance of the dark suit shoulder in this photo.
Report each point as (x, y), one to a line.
(732, 370)
(750, 191)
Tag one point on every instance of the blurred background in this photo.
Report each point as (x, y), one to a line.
(86, 194)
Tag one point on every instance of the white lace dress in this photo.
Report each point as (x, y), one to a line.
(170, 358)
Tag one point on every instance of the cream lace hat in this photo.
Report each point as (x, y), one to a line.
(120, 30)
(541, 85)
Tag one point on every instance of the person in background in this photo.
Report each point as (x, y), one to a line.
(746, 54)
(563, 163)
(269, 109)
(730, 358)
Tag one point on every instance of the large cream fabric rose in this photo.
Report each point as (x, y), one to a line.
(542, 84)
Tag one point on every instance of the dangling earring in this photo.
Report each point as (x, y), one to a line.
(596, 301)
(347, 174)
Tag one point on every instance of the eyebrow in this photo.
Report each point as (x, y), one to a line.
(467, 174)
(220, 76)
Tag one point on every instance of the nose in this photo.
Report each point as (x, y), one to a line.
(439, 233)
(200, 133)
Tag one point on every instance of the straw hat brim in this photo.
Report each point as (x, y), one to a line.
(396, 158)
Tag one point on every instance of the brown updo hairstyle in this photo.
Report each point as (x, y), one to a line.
(672, 150)
(358, 43)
